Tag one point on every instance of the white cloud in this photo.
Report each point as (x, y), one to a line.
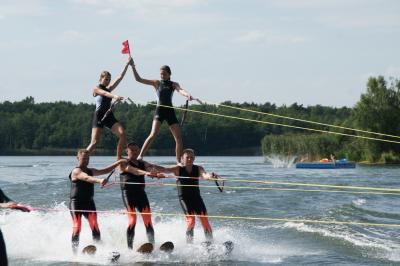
(313, 4)
(142, 6)
(389, 72)
(361, 21)
(107, 11)
(24, 8)
(393, 71)
(180, 48)
(265, 36)
(72, 36)
(346, 13)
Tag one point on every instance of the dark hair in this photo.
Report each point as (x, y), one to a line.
(104, 73)
(166, 68)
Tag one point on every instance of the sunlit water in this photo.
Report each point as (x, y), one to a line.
(43, 237)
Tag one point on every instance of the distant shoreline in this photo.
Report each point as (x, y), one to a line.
(252, 151)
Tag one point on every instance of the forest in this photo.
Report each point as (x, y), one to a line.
(59, 128)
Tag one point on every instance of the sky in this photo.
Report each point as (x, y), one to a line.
(279, 51)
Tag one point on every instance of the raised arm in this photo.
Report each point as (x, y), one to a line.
(181, 91)
(115, 83)
(153, 83)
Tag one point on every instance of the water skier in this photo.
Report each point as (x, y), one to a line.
(103, 115)
(81, 203)
(164, 89)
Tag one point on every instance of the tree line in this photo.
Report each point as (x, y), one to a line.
(378, 110)
(61, 127)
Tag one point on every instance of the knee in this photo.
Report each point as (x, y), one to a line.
(120, 133)
(131, 220)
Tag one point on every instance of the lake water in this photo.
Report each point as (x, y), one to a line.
(43, 237)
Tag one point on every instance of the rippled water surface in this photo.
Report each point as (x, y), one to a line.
(43, 237)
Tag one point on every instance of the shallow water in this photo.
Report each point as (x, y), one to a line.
(43, 237)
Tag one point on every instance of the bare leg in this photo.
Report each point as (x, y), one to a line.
(119, 131)
(96, 133)
(176, 132)
(154, 131)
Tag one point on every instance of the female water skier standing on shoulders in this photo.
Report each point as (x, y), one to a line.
(103, 115)
(164, 89)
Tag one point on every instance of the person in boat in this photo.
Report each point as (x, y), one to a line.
(7, 203)
(82, 179)
(134, 196)
(189, 193)
(103, 115)
(164, 89)
(332, 157)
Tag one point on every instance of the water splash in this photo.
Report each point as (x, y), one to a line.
(280, 161)
(43, 238)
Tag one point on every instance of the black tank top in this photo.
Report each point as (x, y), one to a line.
(128, 177)
(188, 192)
(103, 103)
(82, 190)
(164, 92)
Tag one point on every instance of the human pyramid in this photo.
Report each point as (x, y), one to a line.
(133, 169)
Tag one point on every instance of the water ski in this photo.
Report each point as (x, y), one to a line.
(167, 247)
(90, 250)
(227, 246)
(145, 248)
(114, 256)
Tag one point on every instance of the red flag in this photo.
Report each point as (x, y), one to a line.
(125, 48)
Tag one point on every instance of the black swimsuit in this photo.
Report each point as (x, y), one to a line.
(165, 91)
(103, 104)
(189, 196)
(134, 197)
(82, 203)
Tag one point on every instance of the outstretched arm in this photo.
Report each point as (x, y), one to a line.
(6, 202)
(205, 175)
(153, 83)
(115, 83)
(98, 91)
(126, 168)
(157, 168)
(78, 174)
(181, 91)
(107, 169)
